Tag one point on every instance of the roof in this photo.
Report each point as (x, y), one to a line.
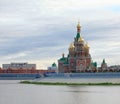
(78, 35)
(54, 64)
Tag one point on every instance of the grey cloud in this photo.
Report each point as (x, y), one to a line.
(39, 29)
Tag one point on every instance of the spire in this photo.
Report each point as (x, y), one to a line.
(78, 27)
(63, 55)
(78, 30)
(103, 61)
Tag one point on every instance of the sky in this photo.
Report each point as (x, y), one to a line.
(39, 31)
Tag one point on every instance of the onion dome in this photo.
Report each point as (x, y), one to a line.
(80, 39)
(78, 26)
(54, 64)
(87, 46)
(103, 61)
(63, 58)
(71, 46)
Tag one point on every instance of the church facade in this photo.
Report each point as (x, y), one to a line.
(78, 58)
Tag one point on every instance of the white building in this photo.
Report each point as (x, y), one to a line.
(53, 67)
(19, 66)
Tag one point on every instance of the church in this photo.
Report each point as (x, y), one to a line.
(78, 58)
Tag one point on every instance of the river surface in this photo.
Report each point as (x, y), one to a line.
(12, 92)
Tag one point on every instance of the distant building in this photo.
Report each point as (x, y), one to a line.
(115, 68)
(15, 66)
(94, 66)
(53, 67)
(104, 65)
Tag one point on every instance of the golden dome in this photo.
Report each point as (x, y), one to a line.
(78, 26)
(87, 46)
(80, 39)
(72, 46)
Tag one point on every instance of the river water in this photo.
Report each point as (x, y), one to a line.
(12, 92)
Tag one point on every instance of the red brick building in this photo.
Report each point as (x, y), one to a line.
(79, 58)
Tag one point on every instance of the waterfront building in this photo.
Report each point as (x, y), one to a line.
(78, 58)
(53, 67)
(16, 66)
(115, 68)
(104, 65)
(22, 68)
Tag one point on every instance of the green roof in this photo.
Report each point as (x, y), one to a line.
(63, 59)
(103, 61)
(66, 62)
(54, 65)
(78, 35)
(94, 64)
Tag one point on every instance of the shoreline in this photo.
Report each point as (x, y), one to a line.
(74, 81)
(77, 84)
(79, 80)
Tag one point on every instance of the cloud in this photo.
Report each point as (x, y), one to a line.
(38, 31)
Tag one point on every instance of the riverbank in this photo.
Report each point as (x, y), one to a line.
(74, 81)
(62, 83)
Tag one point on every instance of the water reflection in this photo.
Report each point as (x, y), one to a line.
(11, 92)
(95, 94)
